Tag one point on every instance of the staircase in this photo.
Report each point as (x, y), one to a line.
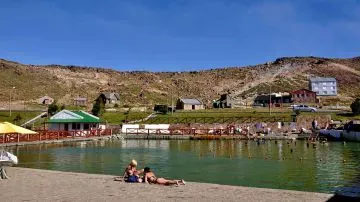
(33, 119)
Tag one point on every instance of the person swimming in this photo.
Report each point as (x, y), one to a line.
(149, 177)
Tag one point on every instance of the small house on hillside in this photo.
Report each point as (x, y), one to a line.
(189, 104)
(262, 100)
(46, 100)
(304, 96)
(73, 121)
(225, 101)
(110, 98)
(163, 108)
(323, 86)
(80, 101)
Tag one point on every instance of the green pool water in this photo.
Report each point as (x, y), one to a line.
(271, 164)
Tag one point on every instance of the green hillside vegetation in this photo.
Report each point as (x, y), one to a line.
(25, 116)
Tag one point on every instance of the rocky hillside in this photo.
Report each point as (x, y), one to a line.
(146, 88)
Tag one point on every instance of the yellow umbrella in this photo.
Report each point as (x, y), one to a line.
(6, 127)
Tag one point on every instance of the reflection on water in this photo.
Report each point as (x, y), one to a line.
(273, 164)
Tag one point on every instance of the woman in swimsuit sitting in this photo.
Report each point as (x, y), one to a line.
(131, 174)
(149, 177)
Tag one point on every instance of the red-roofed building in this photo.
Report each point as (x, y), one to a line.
(303, 96)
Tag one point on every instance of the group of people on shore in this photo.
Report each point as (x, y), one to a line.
(131, 174)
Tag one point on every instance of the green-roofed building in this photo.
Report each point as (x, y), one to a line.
(73, 121)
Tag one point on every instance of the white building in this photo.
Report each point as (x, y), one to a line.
(323, 86)
(46, 100)
(66, 120)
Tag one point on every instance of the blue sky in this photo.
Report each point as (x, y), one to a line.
(176, 35)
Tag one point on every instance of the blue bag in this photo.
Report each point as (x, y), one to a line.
(133, 178)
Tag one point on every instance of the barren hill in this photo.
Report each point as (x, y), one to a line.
(146, 88)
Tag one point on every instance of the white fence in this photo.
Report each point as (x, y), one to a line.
(145, 128)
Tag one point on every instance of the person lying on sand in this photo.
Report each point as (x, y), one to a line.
(149, 177)
(131, 174)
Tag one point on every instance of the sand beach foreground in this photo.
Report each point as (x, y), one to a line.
(44, 185)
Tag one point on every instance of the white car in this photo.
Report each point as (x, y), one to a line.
(304, 108)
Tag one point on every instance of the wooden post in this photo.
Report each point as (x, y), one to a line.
(18, 137)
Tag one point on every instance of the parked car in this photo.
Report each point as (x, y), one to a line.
(304, 108)
(258, 105)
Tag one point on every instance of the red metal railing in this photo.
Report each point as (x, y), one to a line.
(187, 131)
(43, 135)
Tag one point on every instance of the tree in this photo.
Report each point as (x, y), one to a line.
(17, 118)
(163, 109)
(98, 107)
(355, 106)
(53, 108)
(62, 107)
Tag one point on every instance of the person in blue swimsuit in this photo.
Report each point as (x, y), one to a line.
(131, 174)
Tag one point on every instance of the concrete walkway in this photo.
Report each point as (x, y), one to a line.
(43, 185)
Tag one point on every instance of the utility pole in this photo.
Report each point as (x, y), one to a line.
(172, 104)
(11, 89)
(10, 105)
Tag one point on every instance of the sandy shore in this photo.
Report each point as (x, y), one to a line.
(43, 185)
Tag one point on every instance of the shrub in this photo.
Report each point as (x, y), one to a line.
(98, 107)
(53, 108)
(116, 105)
(355, 106)
(163, 110)
(17, 118)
